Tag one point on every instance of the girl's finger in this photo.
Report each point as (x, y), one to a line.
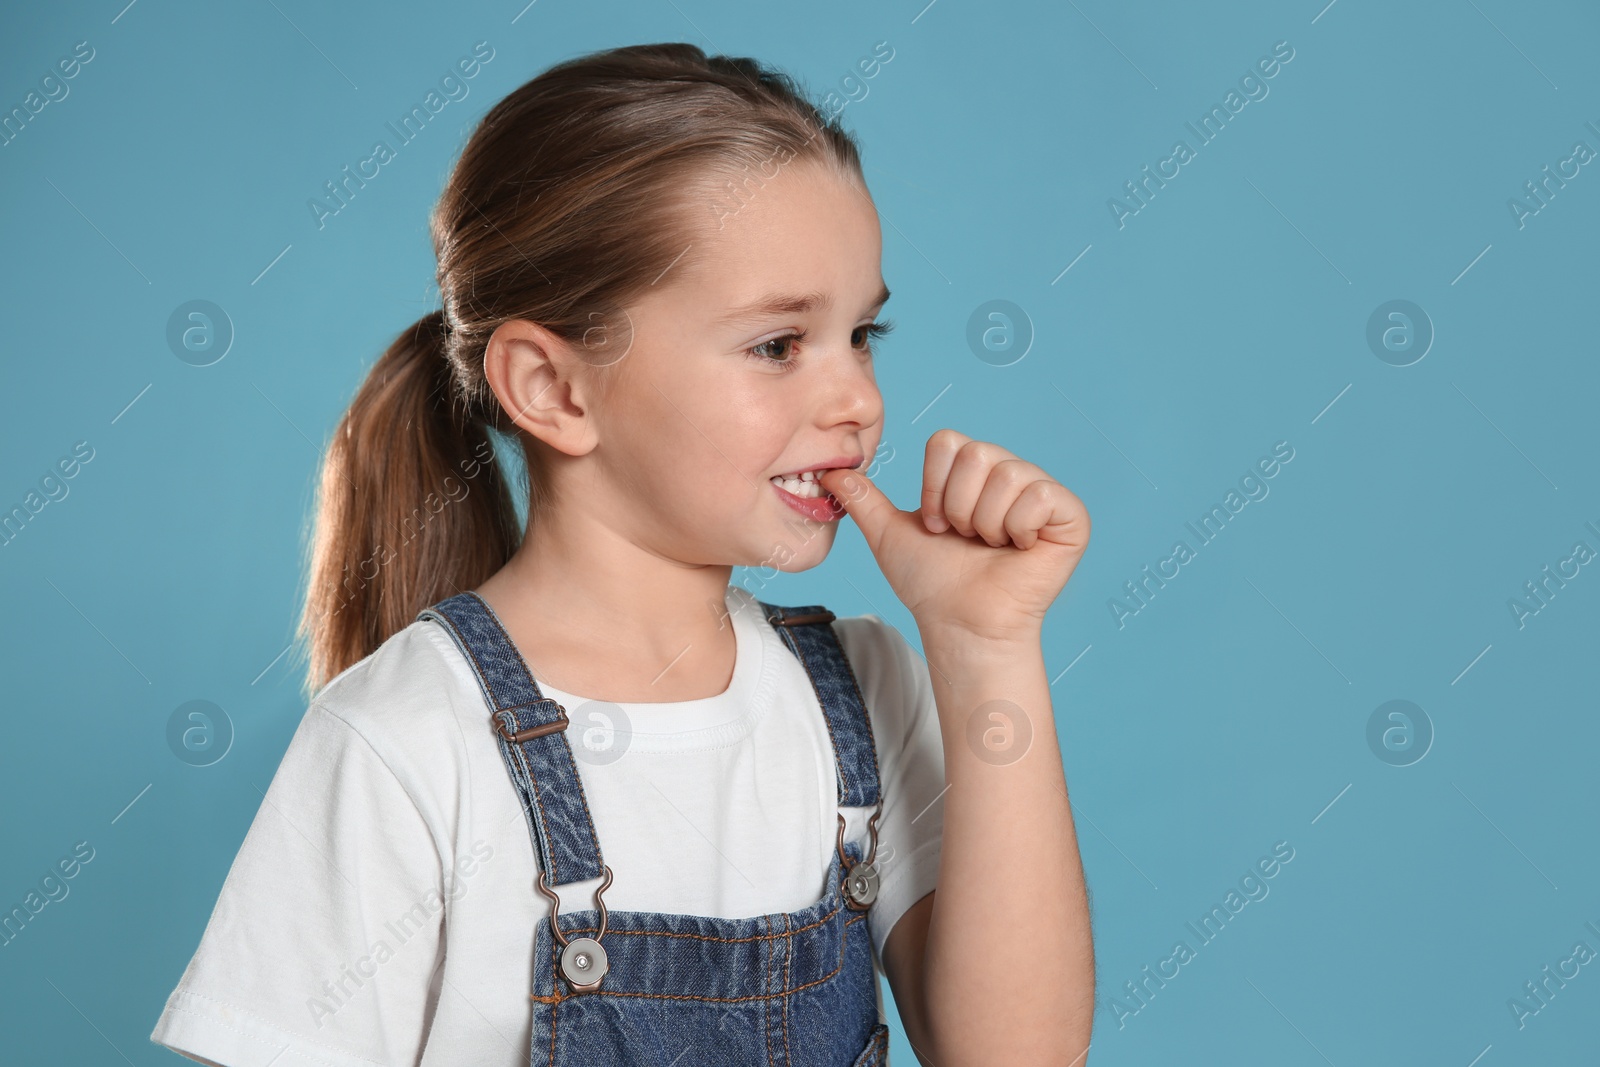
(1005, 482)
(863, 501)
(937, 460)
(1033, 508)
(968, 475)
(1068, 522)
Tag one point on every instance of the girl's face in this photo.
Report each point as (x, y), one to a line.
(749, 358)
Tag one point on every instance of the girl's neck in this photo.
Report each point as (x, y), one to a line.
(652, 632)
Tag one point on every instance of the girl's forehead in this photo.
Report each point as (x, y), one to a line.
(802, 242)
(805, 202)
(783, 302)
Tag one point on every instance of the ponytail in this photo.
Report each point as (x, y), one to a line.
(411, 506)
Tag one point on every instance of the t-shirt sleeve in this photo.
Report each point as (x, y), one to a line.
(905, 725)
(325, 939)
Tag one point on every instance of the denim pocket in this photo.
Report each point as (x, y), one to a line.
(876, 1054)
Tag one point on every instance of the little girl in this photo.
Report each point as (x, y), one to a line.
(570, 797)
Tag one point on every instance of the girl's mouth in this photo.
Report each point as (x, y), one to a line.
(804, 493)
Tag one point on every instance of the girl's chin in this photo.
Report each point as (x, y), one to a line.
(796, 549)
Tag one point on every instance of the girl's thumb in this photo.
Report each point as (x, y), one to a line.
(863, 500)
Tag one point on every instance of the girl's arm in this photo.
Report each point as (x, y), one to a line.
(1008, 968)
(997, 965)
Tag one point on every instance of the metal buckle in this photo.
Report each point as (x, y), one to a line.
(502, 726)
(861, 879)
(583, 959)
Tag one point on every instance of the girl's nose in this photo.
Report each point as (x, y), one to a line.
(851, 391)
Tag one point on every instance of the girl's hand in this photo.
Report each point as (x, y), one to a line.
(990, 549)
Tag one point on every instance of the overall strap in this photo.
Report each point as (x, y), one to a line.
(809, 633)
(533, 743)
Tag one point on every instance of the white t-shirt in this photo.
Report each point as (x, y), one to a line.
(382, 907)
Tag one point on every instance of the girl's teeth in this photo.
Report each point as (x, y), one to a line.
(801, 485)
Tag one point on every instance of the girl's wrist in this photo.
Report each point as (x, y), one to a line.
(965, 641)
(968, 662)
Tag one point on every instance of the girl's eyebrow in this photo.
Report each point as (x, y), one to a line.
(782, 304)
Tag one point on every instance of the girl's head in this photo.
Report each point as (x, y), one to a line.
(659, 273)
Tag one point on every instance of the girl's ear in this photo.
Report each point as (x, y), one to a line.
(541, 382)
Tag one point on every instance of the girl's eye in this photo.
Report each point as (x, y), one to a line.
(771, 351)
(779, 350)
(872, 331)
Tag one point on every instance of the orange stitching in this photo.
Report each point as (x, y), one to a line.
(872, 743)
(577, 780)
(495, 709)
(793, 642)
(466, 647)
(766, 986)
(594, 837)
(538, 800)
(612, 931)
(788, 956)
(552, 1001)
(740, 1000)
(494, 702)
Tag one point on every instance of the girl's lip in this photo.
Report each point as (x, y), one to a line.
(821, 508)
(836, 462)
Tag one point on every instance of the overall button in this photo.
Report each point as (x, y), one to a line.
(861, 886)
(861, 878)
(584, 964)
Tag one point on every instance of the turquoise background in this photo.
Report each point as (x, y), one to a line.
(1228, 314)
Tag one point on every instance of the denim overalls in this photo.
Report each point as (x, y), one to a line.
(634, 987)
